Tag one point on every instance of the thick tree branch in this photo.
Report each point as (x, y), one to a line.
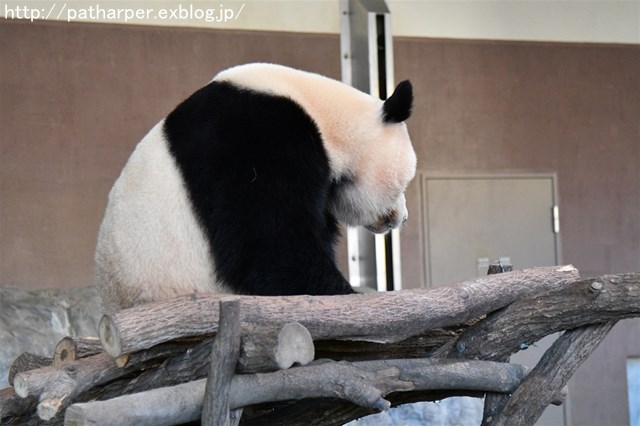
(367, 317)
(526, 321)
(363, 383)
(551, 374)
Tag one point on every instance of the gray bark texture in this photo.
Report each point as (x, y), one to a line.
(438, 344)
(364, 317)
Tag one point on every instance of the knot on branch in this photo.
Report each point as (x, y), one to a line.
(365, 388)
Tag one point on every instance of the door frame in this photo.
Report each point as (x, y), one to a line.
(554, 213)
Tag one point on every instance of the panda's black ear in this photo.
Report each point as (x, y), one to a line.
(397, 107)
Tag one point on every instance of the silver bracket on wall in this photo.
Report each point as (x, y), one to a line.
(366, 51)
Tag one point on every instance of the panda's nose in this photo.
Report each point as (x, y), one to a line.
(404, 219)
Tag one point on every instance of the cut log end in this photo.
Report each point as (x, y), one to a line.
(72, 348)
(20, 386)
(50, 407)
(109, 337)
(27, 361)
(295, 345)
(65, 351)
(123, 360)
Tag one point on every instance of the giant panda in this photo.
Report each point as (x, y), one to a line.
(240, 189)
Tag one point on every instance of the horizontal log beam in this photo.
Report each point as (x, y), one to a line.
(368, 317)
(363, 383)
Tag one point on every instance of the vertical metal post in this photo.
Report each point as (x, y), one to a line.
(367, 64)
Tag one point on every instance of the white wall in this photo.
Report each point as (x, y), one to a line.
(609, 21)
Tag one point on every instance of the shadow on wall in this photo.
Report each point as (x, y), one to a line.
(36, 320)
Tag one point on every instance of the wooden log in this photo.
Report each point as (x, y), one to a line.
(148, 408)
(334, 411)
(190, 364)
(58, 385)
(224, 357)
(414, 347)
(27, 361)
(137, 368)
(526, 321)
(363, 383)
(189, 360)
(513, 320)
(551, 374)
(493, 404)
(627, 282)
(71, 348)
(493, 401)
(186, 362)
(264, 349)
(164, 350)
(36, 382)
(368, 317)
(48, 408)
(497, 402)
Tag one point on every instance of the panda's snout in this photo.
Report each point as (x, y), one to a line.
(393, 219)
(390, 220)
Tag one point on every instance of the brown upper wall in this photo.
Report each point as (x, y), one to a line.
(76, 98)
(573, 109)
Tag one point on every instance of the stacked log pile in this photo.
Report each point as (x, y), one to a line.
(324, 360)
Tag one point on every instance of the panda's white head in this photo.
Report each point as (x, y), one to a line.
(372, 192)
(370, 153)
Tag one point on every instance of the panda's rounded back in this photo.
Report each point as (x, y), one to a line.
(150, 245)
(158, 240)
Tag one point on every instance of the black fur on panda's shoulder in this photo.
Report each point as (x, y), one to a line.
(258, 176)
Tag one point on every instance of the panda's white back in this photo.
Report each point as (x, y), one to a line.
(150, 246)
